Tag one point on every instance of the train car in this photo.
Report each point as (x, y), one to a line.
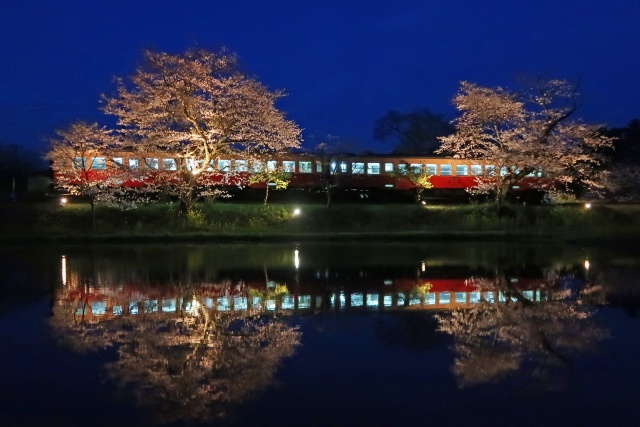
(362, 174)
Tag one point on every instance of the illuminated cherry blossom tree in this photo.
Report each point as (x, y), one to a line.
(521, 134)
(195, 107)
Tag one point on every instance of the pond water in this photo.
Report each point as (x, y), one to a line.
(320, 334)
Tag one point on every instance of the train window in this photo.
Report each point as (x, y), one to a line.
(257, 166)
(305, 167)
(476, 170)
(209, 167)
(272, 165)
(416, 168)
(99, 163)
(78, 163)
(357, 167)
(373, 168)
(133, 163)
(445, 297)
(531, 174)
(169, 164)
(490, 170)
(388, 167)
(117, 161)
(151, 162)
(333, 167)
(445, 169)
(224, 165)
(241, 166)
(318, 167)
(402, 168)
(343, 167)
(289, 166)
(503, 171)
(432, 169)
(462, 170)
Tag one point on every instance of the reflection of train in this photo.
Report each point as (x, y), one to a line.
(364, 175)
(299, 291)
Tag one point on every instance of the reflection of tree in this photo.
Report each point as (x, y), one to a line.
(536, 336)
(193, 364)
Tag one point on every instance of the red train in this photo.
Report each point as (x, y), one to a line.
(363, 176)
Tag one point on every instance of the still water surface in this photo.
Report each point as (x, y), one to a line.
(320, 334)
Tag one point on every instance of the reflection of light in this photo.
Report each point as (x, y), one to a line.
(424, 202)
(586, 264)
(296, 259)
(194, 307)
(423, 267)
(63, 201)
(296, 211)
(587, 205)
(64, 270)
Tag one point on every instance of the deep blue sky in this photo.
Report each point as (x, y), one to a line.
(343, 64)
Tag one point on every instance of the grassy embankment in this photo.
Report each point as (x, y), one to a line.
(248, 221)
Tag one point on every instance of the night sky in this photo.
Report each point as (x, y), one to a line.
(343, 64)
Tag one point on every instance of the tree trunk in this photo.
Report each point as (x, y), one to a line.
(501, 196)
(266, 194)
(328, 193)
(93, 213)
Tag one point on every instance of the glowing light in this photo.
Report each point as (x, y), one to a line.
(424, 202)
(296, 212)
(587, 205)
(63, 201)
(296, 259)
(587, 264)
(64, 270)
(423, 266)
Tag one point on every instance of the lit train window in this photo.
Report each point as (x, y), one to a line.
(117, 161)
(98, 163)
(151, 162)
(272, 165)
(241, 166)
(169, 164)
(343, 167)
(388, 167)
(373, 168)
(416, 168)
(224, 165)
(462, 170)
(503, 171)
(305, 167)
(490, 170)
(431, 169)
(402, 168)
(289, 165)
(357, 167)
(318, 167)
(333, 167)
(445, 169)
(133, 163)
(78, 163)
(476, 170)
(257, 166)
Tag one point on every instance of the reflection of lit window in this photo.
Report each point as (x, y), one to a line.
(461, 297)
(343, 300)
(414, 299)
(288, 302)
(373, 168)
(489, 297)
(474, 297)
(445, 297)
(99, 308)
(239, 303)
(207, 302)
(168, 305)
(343, 167)
(305, 167)
(400, 298)
(223, 304)
(528, 295)
(304, 301)
(151, 306)
(387, 300)
(133, 307)
(430, 298)
(445, 169)
(270, 304)
(388, 167)
(117, 310)
(356, 299)
(318, 302)
(372, 300)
